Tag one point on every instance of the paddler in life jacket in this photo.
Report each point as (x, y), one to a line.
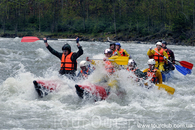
(132, 67)
(153, 73)
(159, 56)
(85, 70)
(119, 51)
(68, 58)
(109, 79)
(108, 64)
(109, 68)
(171, 57)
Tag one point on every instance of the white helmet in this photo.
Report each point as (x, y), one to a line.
(151, 62)
(159, 43)
(83, 63)
(108, 51)
(132, 62)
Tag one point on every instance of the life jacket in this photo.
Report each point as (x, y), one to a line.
(152, 73)
(167, 52)
(67, 63)
(158, 57)
(121, 52)
(109, 67)
(85, 73)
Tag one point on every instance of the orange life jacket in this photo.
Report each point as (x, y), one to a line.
(120, 51)
(152, 73)
(109, 67)
(158, 57)
(67, 63)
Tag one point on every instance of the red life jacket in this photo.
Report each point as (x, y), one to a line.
(152, 73)
(67, 63)
(158, 57)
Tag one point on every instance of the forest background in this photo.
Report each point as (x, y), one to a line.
(95, 20)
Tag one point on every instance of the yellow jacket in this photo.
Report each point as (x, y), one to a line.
(159, 65)
(158, 75)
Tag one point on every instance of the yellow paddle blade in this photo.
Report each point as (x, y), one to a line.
(120, 60)
(166, 87)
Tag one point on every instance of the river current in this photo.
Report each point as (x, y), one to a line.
(140, 108)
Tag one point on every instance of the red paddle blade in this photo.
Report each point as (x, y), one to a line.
(29, 39)
(186, 64)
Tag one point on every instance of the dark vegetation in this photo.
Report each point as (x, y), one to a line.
(128, 20)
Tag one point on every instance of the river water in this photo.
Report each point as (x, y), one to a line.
(140, 108)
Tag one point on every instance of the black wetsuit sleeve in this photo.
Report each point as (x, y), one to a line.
(54, 52)
(77, 54)
(171, 55)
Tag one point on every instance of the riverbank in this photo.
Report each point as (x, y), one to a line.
(172, 38)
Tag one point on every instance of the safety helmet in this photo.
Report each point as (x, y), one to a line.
(164, 42)
(66, 47)
(151, 62)
(112, 43)
(118, 44)
(159, 43)
(83, 63)
(108, 51)
(132, 62)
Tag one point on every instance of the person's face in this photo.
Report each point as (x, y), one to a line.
(151, 66)
(158, 47)
(163, 45)
(83, 68)
(65, 52)
(112, 47)
(117, 47)
(130, 66)
(108, 55)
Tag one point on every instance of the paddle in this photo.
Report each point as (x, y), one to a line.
(186, 64)
(181, 69)
(166, 87)
(33, 39)
(110, 40)
(120, 60)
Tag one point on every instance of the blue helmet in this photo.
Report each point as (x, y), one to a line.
(118, 44)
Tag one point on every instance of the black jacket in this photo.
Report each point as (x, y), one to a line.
(74, 57)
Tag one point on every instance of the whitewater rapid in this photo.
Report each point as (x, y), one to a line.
(140, 108)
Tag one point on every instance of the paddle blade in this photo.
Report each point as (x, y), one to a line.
(120, 60)
(186, 64)
(181, 69)
(29, 39)
(166, 87)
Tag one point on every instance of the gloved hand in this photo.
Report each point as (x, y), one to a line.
(45, 40)
(164, 58)
(87, 59)
(77, 40)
